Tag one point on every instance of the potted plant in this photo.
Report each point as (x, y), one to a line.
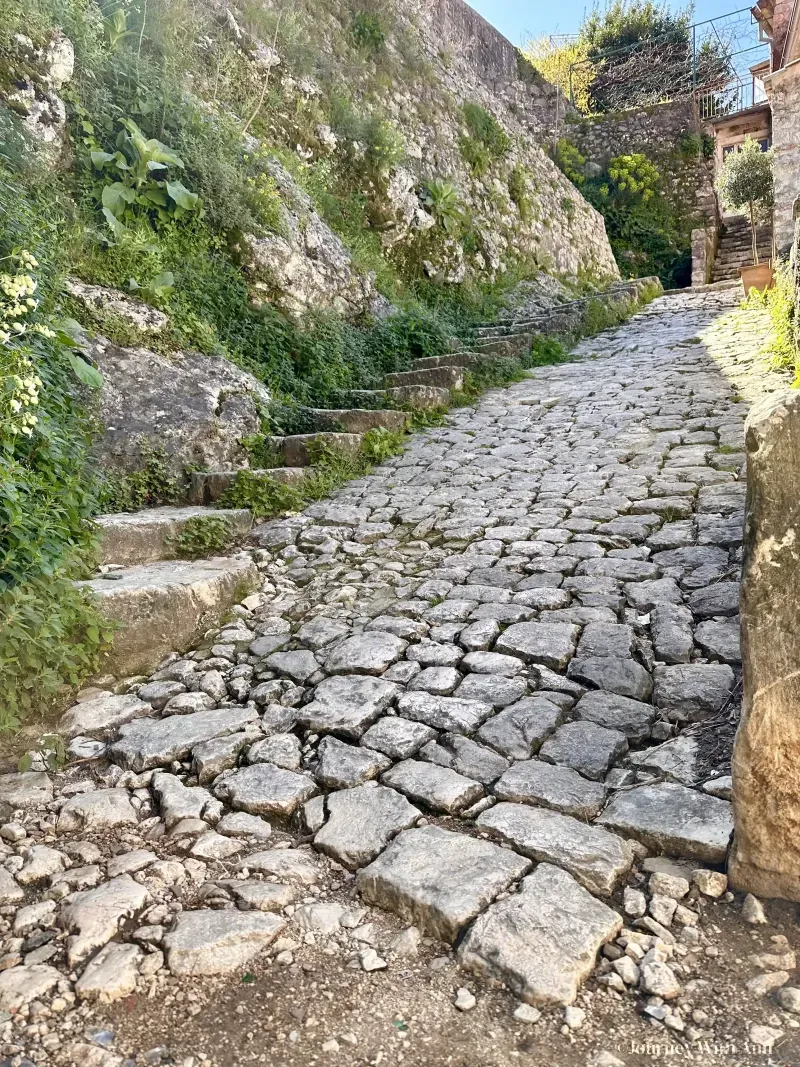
(745, 183)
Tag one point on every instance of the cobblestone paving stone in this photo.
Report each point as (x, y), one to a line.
(505, 656)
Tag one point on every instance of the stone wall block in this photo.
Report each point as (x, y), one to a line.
(765, 859)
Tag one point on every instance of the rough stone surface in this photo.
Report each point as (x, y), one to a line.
(155, 743)
(361, 822)
(538, 783)
(163, 606)
(518, 731)
(597, 859)
(218, 942)
(671, 819)
(438, 788)
(439, 880)
(542, 941)
(586, 747)
(347, 705)
(765, 858)
(264, 789)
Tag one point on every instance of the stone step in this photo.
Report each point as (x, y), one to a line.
(302, 449)
(206, 487)
(442, 377)
(361, 420)
(452, 359)
(416, 397)
(167, 606)
(137, 537)
(509, 347)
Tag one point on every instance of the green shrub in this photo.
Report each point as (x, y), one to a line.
(149, 486)
(486, 142)
(203, 535)
(519, 191)
(261, 494)
(368, 32)
(570, 161)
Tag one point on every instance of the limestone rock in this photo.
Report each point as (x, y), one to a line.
(444, 713)
(156, 742)
(518, 731)
(396, 737)
(673, 820)
(596, 858)
(100, 717)
(372, 652)
(218, 942)
(439, 880)
(765, 858)
(93, 917)
(103, 809)
(552, 644)
(465, 757)
(542, 941)
(150, 400)
(111, 974)
(437, 787)
(20, 985)
(347, 705)
(304, 267)
(613, 674)
(693, 691)
(264, 789)
(167, 605)
(613, 712)
(28, 789)
(343, 766)
(361, 822)
(586, 747)
(561, 788)
(288, 865)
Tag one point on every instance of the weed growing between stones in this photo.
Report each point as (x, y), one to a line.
(783, 343)
(203, 535)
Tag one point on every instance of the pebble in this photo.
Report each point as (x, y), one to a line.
(464, 1000)
(753, 911)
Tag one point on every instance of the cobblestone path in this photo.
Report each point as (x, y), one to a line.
(395, 807)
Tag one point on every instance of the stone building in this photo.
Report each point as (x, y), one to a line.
(779, 21)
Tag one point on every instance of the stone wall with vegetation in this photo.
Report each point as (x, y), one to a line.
(650, 171)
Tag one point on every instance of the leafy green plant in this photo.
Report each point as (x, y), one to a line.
(745, 182)
(203, 535)
(50, 749)
(570, 161)
(442, 199)
(261, 494)
(486, 142)
(135, 192)
(149, 486)
(379, 444)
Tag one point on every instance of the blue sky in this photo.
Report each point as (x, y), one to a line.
(520, 21)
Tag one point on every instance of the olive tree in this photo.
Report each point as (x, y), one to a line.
(745, 182)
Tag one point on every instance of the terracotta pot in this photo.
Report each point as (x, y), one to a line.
(759, 277)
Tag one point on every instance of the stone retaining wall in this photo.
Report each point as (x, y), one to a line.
(657, 132)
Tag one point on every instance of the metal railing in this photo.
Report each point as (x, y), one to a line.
(737, 95)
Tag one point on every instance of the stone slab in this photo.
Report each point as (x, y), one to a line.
(361, 822)
(597, 858)
(146, 743)
(545, 784)
(166, 607)
(439, 880)
(542, 942)
(218, 942)
(672, 819)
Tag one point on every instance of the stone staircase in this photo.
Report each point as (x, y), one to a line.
(514, 338)
(161, 603)
(734, 249)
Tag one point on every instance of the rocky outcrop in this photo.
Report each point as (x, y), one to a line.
(195, 409)
(766, 762)
(42, 74)
(304, 265)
